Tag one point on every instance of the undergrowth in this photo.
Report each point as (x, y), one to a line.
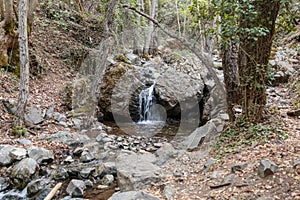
(241, 133)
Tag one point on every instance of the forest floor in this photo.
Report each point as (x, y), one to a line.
(190, 180)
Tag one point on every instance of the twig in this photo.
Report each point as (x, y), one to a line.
(53, 191)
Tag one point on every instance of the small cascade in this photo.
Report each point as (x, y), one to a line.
(149, 112)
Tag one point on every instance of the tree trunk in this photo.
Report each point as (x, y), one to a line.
(253, 58)
(24, 64)
(230, 70)
(137, 46)
(9, 20)
(153, 12)
(2, 14)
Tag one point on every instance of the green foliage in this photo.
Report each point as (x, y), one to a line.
(242, 133)
(19, 130)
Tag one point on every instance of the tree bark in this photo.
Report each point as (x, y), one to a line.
(24, 64)
(9, 10)
(109, 15)
(153, 12)
(253, 57)
(231, 79)
(2, 10)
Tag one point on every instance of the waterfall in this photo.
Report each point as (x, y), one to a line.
(148, 110)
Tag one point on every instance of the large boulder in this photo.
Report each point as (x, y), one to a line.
(178, 87)
(136, 171)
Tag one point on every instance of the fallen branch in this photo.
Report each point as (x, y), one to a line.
(197, 51)
(53, 191)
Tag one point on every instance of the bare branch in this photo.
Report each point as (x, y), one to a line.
(204, 58)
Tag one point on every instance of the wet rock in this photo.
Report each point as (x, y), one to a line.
(5, 159)
(193, 141)
(23, 171)
(76, 188)
(169, 192)
(70, 139)
(18, 153)
(34, 115)
(132, 195)
(107, 179)
(36, 186)
(266, 168)
(41, 155)
(165, 153)
(136, 171)
(4, 183)
(13, 196)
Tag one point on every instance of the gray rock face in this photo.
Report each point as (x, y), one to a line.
(5, 159)
(132, 195)
(34, 115)
(86, 156)
(41, 155)
(193, 141)
(76, 188)
(69, 139)
(18, 153)
(136, 171)
(23, 171)
(266, 168)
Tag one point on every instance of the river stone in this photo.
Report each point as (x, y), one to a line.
(70, 139)
(23, 171)
(104, 169)
(76, 188)
(13, 196)
(165, 153)
(132, 195)
(34, 115)
(18, 153)
(136, 171)
(266, 168)
(4, 183)
(49, 112)
(86, 156)
(193, 141)
(86, 172)
(36, 186)
(60, 174)
(5, 159)
(24, 141)
(41, 155)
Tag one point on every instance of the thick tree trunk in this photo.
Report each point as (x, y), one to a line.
(24, 64)
(253, 58)
(137, 46)
(231, 79)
